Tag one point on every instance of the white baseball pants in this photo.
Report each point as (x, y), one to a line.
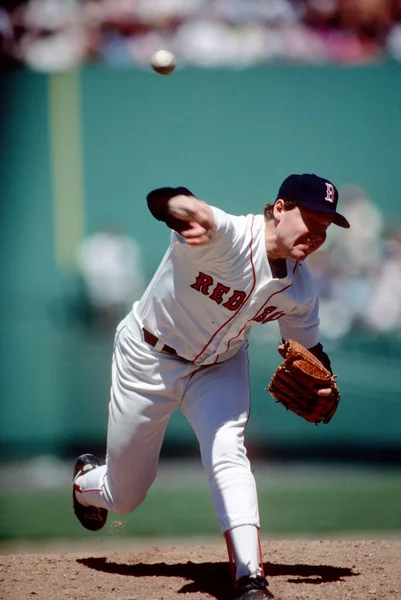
(147, 386)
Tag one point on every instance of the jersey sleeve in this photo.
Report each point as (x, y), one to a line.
(303, 327)
(228, 234)
(302, 323)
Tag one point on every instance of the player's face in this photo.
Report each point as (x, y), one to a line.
(300, 231)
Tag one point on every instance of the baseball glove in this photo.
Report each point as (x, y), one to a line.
(296, 383)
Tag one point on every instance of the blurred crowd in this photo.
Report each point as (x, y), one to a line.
(111, 276)
(358, 272)
(55, 35)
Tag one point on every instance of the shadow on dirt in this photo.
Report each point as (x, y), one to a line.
(215, 578)
(309, 573)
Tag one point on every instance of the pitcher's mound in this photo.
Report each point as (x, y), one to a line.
(314, 570)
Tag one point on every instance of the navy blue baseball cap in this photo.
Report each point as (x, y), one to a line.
(313, 192)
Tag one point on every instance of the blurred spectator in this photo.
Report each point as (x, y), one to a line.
(383, 311)
(52, 35)
(345, 269)
(110, 265)
(370, 19)
(361, 251)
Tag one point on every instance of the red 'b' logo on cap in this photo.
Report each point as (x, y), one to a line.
(329, 192)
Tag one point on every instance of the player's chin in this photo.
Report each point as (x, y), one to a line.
(300, 252)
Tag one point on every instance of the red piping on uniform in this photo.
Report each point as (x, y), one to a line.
(231, 560)
(258, 311)
(261, 556)
(78, 489)
(230, 556)
(242, 305)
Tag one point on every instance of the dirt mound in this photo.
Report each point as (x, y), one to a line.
(316, 570)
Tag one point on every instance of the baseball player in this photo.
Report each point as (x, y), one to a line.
(184, 345)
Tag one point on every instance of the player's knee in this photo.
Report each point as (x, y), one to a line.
(226, 450)
(124, 506)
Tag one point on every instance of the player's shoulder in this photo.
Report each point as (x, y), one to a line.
(231, 214)
(227, 220)
(301, 266)
(301, 271)
(305, 281)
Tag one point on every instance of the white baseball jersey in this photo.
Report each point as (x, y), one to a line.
(203, 300)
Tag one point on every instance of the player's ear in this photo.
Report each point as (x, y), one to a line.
(278, 209)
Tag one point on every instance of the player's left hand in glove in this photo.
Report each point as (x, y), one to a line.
(304, 385)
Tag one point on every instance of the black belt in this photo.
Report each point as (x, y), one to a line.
(152, 341)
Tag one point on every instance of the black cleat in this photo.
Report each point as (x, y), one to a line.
(90, 517)
(252, 588)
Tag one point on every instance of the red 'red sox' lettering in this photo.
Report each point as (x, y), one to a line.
(235, 300)
(204, 282)
(218, 291)
(268, 315)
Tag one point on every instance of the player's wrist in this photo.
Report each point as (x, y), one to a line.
(158, 201)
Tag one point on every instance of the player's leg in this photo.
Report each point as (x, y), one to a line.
(216, 404)
(141, 401)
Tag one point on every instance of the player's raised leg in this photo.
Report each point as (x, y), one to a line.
(141, 402)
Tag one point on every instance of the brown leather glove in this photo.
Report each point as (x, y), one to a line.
(297, 381)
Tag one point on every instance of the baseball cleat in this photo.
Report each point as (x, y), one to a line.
(252, 588)
(91, 517)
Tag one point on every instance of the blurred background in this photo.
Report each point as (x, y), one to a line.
(262, 89)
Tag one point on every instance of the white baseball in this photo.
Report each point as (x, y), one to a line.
(163, 62)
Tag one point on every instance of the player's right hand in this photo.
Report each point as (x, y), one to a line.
(198, 223)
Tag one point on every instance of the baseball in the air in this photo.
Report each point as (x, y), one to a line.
(163, 62)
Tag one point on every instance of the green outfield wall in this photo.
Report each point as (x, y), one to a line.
(81, 149)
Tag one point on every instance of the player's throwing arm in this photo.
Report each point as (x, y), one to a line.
(200, 223)
(180, 210)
